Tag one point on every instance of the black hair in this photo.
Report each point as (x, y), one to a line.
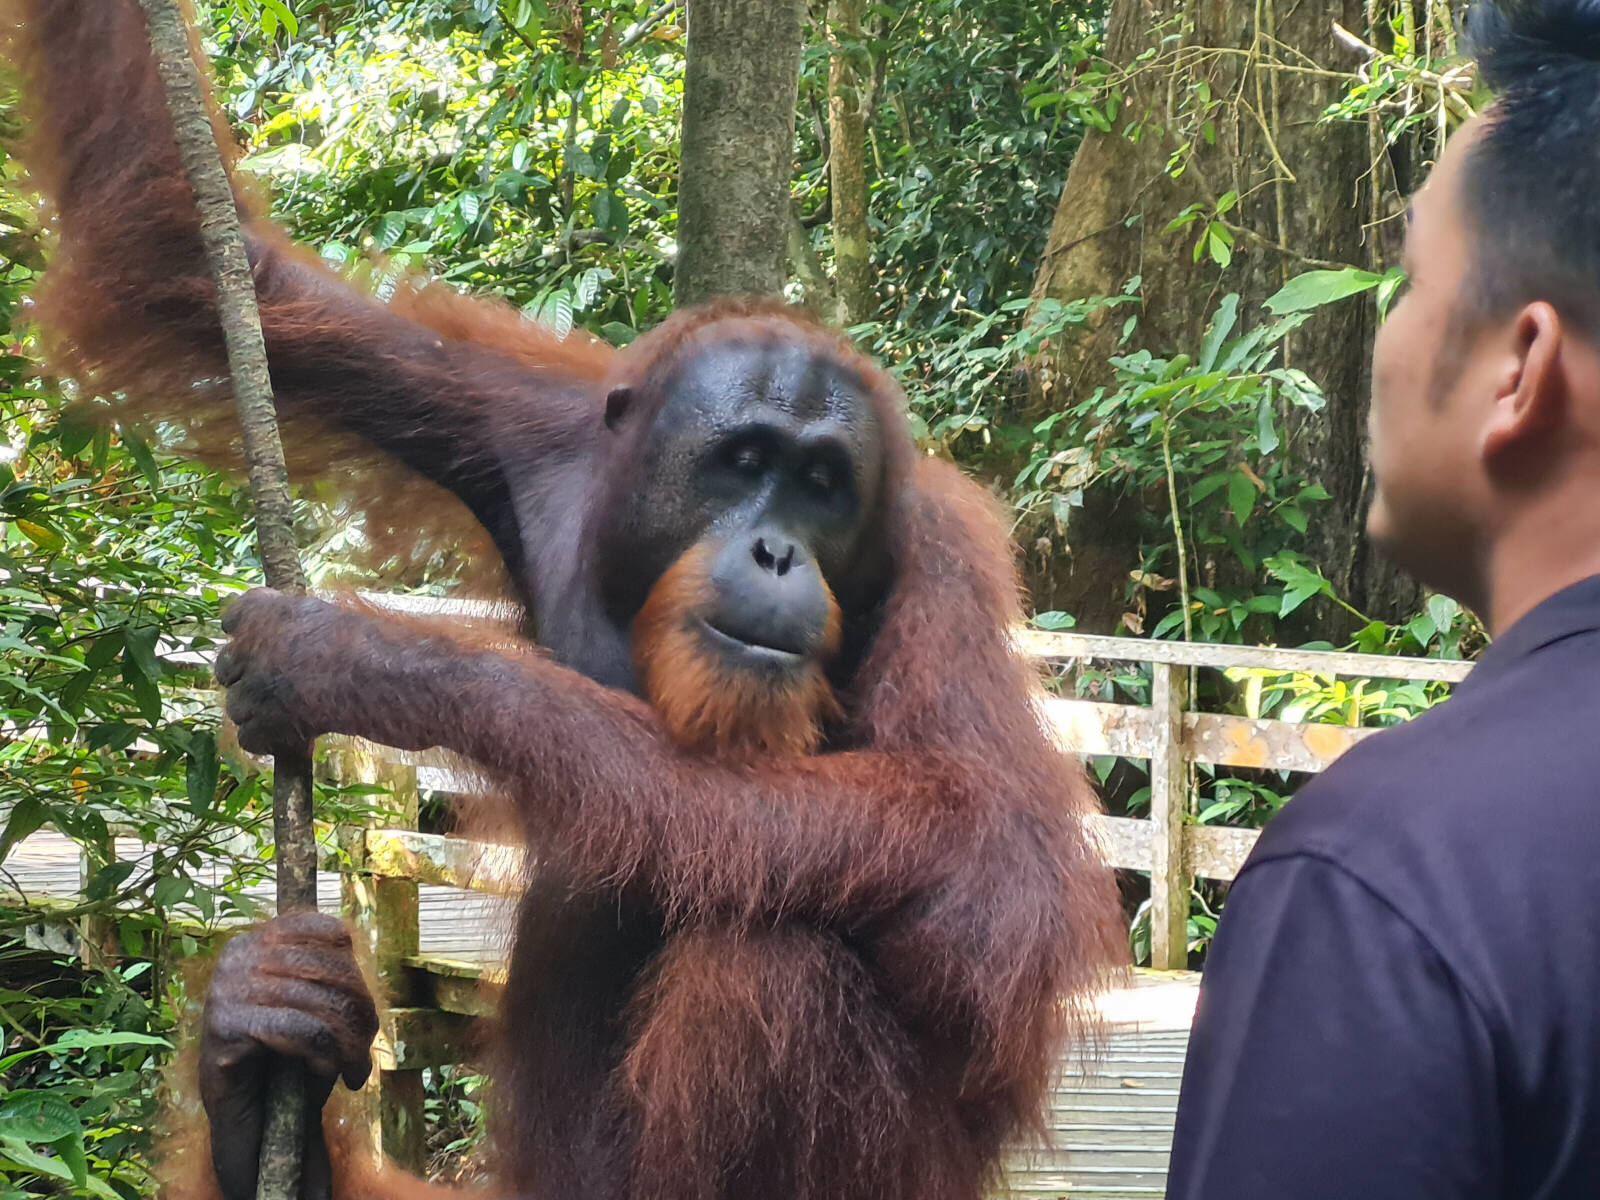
(1532, 184)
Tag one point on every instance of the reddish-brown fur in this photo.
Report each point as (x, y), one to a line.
(841, 973)
(704, 705)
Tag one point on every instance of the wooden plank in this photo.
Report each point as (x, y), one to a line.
(1128, 731)
(414, 1039)
(1216, 852)
(1209, 851)
(1169, 803)
(1124, 842)
(1059, 646)
(1269, 745)
(449, 861)
(1093, 727)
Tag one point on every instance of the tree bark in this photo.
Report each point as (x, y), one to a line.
(741, 85)
(847, 166)
(1306, 200)
(283, 1140)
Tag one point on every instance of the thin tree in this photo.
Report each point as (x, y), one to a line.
(847, 161)
(197, 137)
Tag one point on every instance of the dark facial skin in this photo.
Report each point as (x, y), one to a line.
(773, 455)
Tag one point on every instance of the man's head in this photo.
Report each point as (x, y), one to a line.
(1486, 380)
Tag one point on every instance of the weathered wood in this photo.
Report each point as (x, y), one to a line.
(1169, 803)
(385, 914)
(1093, 727)
(452, 862)
(1209, 851)
(97, 932)
(402, 1129)
(1124, 842)
(1058, 646)
(1215, 851)
(1231, 741)
(1128, 731)
(413, 1039)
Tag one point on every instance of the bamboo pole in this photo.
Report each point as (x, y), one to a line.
(283, 1139)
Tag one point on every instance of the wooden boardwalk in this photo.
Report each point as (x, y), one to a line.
(1111, 1119)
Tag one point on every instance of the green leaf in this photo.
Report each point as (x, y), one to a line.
(1266, 426)
(1316, 288)
(104, 648)
(1217, 333)
(1442, 609)
(140, 449)
(140, 650)
(581, 162)
(73, 433)
(1209, 486)
(16, 1150)
(37, 1117)
(107, 880)
(200, 778)
(28, 816)
(1241, 496)
(1422, 629)
(94, 1039)
(1219, 244)
(69, 1148)
(1054, 620)
(170, 890)
(1293, 598)
(281, 11)
(1173, 620)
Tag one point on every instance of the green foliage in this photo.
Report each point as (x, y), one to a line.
(1202, 431)
(501, 147)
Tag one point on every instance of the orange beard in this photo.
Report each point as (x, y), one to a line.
(709, 706)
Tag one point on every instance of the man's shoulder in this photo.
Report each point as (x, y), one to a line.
(1389, 779)
(1479, 808)
(1507, 765)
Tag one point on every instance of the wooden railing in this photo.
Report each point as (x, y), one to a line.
(433, 1003)
(1172, 738)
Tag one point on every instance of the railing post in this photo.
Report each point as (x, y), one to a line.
(97, 932)
(384, 913)
(1169, 799)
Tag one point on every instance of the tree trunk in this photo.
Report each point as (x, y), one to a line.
(847, 168)
(1244, 118)
(741, 85)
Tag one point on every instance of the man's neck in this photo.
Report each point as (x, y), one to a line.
(1538, 557)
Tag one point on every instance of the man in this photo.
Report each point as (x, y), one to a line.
(1404, 997)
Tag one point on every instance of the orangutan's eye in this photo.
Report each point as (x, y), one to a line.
(820, 476)
(748, 460)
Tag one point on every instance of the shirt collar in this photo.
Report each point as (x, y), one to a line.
(1574, 609)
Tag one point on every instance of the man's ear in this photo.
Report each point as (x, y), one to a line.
(618, 401)
(1531, 396)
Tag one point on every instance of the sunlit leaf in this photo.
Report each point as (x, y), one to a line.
(1316, 288)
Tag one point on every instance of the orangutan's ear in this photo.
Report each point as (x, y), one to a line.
(618, 401)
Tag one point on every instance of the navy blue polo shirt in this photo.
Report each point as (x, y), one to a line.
(1403, 1000)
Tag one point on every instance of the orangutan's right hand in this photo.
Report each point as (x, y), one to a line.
(289, 990)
